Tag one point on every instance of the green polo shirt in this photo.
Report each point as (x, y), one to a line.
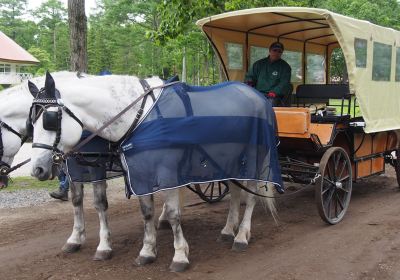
(267, 76)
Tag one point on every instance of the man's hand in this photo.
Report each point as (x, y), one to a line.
(271, 94)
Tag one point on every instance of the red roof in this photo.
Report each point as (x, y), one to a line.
(12, 52)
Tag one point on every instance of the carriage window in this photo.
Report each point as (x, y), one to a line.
(315, 69)
(360, 48)
(257, 53)
(397, 64)
(337, 68)
(235, 55)
(295, 62)
(382, 61)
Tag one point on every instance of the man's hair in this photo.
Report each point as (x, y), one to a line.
(276, 45)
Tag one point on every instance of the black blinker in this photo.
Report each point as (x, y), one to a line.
(50, 120)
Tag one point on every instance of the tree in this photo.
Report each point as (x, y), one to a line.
(51, 16)
(10, 12)
(78, 35)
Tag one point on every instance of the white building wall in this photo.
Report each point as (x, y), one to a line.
(13, 76)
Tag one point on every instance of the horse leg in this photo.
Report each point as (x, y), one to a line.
(148, 252)
(103, 251)
(180, 262)
(243, 236)
(163, 219)
(77, 238)
(232, 222)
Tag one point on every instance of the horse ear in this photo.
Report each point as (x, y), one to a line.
(33, 89)
(50, 86)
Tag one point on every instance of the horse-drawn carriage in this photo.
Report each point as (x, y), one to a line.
(334, 129)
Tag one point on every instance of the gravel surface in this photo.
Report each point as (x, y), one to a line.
(23, 198)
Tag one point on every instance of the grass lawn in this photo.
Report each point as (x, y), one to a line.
(26, 182)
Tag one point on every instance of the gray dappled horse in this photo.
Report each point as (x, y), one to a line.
(78, 109)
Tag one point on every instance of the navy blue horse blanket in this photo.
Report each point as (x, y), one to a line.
(202, 134)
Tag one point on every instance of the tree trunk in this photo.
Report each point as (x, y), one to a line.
(78, 35)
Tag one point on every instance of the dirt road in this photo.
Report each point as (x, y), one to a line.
(365, 245)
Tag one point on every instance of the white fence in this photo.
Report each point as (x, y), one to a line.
(13, 78)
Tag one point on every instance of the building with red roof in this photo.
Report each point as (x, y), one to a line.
(12, 58)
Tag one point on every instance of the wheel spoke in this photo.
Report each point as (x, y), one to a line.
(329, 181)
(339, 201)
(337, 161)
(344, 178)
(329, 200)
(329, 171)
(328, 188)
(343, 168)
(212, 191)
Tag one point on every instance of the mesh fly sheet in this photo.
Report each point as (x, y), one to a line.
(96, 161)
(202, 134)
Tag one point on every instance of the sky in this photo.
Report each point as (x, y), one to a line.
(89, 4)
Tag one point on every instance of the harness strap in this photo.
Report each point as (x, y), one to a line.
(104, 126)
(9, 128)
(58, 133)
(139, 114)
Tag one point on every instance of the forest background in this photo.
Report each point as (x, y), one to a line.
(153, 37)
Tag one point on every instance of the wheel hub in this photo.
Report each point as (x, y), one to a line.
(338, 185)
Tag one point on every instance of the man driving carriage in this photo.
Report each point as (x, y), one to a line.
(271, 75)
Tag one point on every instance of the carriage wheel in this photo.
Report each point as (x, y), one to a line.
(396, 165)
(333, 188)
(212, 192)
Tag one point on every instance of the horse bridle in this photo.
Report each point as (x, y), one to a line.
(4, 167)
(51, 121)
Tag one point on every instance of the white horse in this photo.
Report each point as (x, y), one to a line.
(94, 101)
(14, 110)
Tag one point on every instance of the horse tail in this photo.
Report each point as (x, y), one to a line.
(268, 201)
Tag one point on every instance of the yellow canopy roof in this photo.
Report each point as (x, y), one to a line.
(321, 31)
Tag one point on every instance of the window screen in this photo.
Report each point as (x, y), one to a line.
(397, 64)
(360, 48)
(257, 53)
(315, 69)
(381, 64)
(295, 62)
(235, 56)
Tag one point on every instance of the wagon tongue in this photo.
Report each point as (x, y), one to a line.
(3, 181)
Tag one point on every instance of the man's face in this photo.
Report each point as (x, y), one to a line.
(275, 54)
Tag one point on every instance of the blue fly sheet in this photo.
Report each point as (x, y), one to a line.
(202, 134)
(96, 161)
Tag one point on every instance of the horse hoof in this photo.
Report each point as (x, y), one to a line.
(144, 260)
(239, 246)
(178, 266)
(226, 238)
(71, 247)
(163, 224)
(102, 255)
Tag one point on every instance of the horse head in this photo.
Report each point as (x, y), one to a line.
(56, 129)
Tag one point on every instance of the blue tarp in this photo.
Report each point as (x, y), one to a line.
(202, 134)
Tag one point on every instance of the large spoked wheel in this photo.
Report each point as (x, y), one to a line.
(396, 165)
(212, 192)
(333, 188)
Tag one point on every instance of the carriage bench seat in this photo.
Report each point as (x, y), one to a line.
(330, 119)
(316, 94)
